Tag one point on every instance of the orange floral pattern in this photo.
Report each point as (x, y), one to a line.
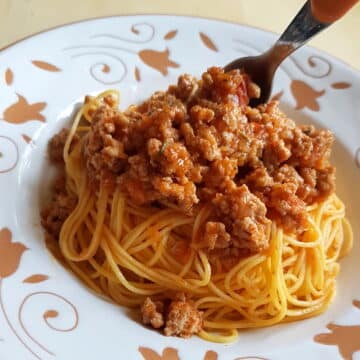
(43, 65)
(137, 74)
(211, 355)
(305, 95)
(345, 337)
(105, 69)
(22, 111)
(208, 42)
(50, 314)
(170, 353)
(34, 279)
(9, 77)
(158, 60)
(170, 35)
(167, 354)
(341, 85)
(10, 253)
(10, 257)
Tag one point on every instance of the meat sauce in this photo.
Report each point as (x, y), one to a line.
(199, 143)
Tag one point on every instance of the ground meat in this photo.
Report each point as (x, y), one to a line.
(308, 189)
(200, 144)
(58, 209)
(202, 114)
(207, 143)
(186, 87)
(61, 203)
(286, 207)
(56, 146)
(216, 236)
(325, 182)
(219, 177)
(311, 148)
(222, 87)
(184, 195)
(200, 141)
(244, 216)
(177, 317)
(183, 319)
(104, 153)
(317, 184)
(259, 179)
(152, 313)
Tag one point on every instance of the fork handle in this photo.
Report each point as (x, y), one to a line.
(328, 11)
(303, 27)
(315, 16)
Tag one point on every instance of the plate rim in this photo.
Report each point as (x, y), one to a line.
(213, 19)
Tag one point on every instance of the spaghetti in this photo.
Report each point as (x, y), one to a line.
(125, 250)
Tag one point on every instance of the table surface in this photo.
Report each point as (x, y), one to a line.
(21, 18)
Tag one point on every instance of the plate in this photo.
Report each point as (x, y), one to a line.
(45, 312)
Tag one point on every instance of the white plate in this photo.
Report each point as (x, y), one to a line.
(46, 312)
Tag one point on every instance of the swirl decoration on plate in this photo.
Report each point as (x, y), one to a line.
(10, 258)
(103, 72)
(9, 155)
(107, 72)
(319, 67)
(49, 314)
(113, 70)
(144, 33)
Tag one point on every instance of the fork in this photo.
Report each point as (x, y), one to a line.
(315, 16)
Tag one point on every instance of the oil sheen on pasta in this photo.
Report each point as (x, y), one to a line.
(206, 214)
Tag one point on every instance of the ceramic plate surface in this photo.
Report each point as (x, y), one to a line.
(45, 312)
